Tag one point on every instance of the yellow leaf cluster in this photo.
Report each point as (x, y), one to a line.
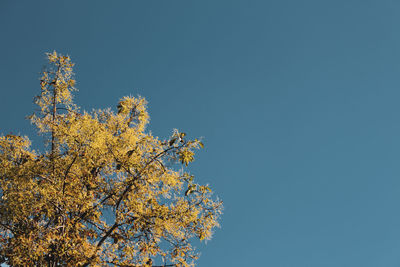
(104, 192)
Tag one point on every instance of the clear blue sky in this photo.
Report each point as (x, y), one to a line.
(297, 101)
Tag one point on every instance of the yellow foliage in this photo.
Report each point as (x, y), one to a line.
(104, 192)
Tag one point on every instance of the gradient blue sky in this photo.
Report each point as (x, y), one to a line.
(297, 101)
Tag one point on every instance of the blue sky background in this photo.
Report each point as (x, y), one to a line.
(297, 101)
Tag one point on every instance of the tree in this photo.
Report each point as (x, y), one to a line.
(104, 192)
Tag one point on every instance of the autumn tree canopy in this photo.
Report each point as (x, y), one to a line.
(104, 192)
